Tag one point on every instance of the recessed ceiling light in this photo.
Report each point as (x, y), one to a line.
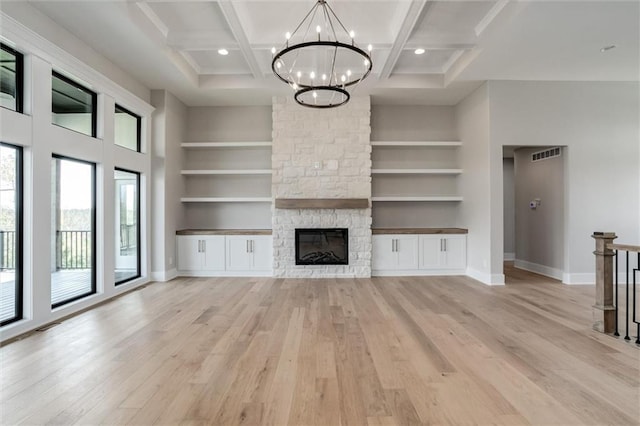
(223, 52)
(419, 51)
(607, 48)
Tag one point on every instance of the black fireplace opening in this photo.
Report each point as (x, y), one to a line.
(322, 246)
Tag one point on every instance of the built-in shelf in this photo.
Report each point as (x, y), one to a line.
(416, 171)
(438, 198)
(225, 144)
(226, 199)
(227, 172)
(417, 143)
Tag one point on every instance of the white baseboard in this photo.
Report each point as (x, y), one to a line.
(416, 273)
(484, 278)
(547, 271)
(223, 274)
(163, 276)
(509, 257)
(590, 278)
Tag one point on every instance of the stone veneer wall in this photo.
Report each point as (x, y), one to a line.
(321, 154)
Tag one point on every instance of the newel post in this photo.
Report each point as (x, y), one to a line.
(604, 314)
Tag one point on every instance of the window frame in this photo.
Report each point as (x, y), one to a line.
(94, 102)
(19, 276)
(19, 77)
(94, 244)
(138, 128)
(138, 228)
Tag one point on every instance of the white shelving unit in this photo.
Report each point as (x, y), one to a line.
(227, 172)
(208, 181)
(209, 145)
(397, 147)
(434, 198)
(226, 199)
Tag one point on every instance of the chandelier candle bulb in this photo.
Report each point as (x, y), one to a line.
(330, 53)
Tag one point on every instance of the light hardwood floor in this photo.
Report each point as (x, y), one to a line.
(382, 351)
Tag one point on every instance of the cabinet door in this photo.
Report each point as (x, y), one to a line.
(238, 256)
(189, 255)
(383, 256)
(431, 247)
(262, 252)
(407, 251)
(214, 253)
(455, 254)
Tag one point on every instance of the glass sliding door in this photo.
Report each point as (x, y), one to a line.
(10, 234)
(127, 206)
(73, 224)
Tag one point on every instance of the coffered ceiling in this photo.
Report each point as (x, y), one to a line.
(174, 44)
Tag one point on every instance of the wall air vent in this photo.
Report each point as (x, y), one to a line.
(546, 154)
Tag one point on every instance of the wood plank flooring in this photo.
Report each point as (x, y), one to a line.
(381, 351)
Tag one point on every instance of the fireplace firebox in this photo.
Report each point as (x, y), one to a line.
(322, 246)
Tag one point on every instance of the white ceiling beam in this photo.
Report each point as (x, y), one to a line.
(235, 25)
(490, 16)
(154, 18)
(410, 21)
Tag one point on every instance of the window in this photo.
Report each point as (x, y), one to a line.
(11, 78)
(127, 129)
(73, 224)
(10, 233)
(127, 204)
(73, 106)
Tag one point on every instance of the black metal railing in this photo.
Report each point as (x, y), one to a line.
(7, 250)
(630, 304)
(128, 239)
(73, 250)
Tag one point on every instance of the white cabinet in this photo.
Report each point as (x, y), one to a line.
(395, 252)
(249, 253)
(419, 254)
(224, 255)
(201, 253)
(446, 252)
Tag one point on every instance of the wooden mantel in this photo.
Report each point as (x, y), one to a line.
(322, 203)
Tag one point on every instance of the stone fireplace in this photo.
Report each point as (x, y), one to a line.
(321, 154)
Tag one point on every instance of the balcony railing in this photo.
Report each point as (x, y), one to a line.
(7, 250)
(73, 250)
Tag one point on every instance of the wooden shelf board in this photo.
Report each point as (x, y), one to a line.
(227, 172)
(322, 203)
(226, 199)
(225, 144)
(417, 143)
(434, 198)
(395, 231)
(416, 171)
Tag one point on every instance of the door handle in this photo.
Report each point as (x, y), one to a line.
(250, 246)
(246, 246)
(445, 244)
(441, 245)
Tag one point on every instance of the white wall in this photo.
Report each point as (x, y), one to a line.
(599, 123)
(472, 118)
(540, 231)
(167, 216)
(509, 209)
(63, 40)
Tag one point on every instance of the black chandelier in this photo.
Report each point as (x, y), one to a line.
(320, 60)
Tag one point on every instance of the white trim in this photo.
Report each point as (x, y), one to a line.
(589, 278)
(417, 143)
(547, 271)
(226, 274)
(490, 16)
(484, 278)
(31, 43)
(164, 276)
(509, 257)
(417, 273)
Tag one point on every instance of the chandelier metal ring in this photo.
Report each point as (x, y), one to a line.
(336, 44)
(298, 96)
